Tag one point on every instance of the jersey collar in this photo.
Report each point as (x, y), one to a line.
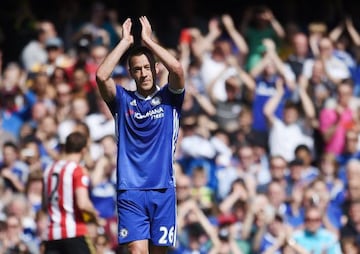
(149, 97)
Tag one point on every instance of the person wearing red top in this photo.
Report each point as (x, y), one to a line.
(67, 200)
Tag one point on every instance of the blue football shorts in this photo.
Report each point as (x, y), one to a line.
(147, 214)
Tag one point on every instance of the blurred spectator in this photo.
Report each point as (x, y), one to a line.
(277, 197)
(239, 89)
(295, 177)
(78, 113)
(20, 207)
(273, 236)
(59, 76)
(227, 112)
(344, 41)
(278, 172)
(304, 153)
(97, 53)
(294, 214)
(349, 245)
(269, 70)
(48, 140)
(196, 104)
(258, 141)
(195, 232)
(317, 31)
(56, 57)
(14, 242)
(100, 30)
(213, 51)
(34, 191)
(313, 237)
(336, 69)
(287, 132)
(336, 183)
(41, 220)
(16, 100)
(238, 192)
(63, 101)
(320, 86)
(352, 227)
(227, 242)
(34, 54)
(351, 150)
(338, 117)
(332, 214)
(13, 170)
(245, 168)
(45, 91)
(30, 154)
(82, 87)
(188, 230)
(259, 23)
(5, 136)
(201, 192)
(352, 178)
(300, 53)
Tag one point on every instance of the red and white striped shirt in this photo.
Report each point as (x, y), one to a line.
(60, 182)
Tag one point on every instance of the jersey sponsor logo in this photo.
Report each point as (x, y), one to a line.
(133, 102)
(155, 101)
(85, 180)
(265, 90)
(153, 114)
(123, 233)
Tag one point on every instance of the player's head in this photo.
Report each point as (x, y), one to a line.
(142, 68)
(75, 142)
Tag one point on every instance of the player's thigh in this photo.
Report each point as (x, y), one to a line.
(133, 218)
(163, 217)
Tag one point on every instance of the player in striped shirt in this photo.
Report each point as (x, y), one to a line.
(67, 200)
(147, 122)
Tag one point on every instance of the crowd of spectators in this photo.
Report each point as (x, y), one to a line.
(268, 156)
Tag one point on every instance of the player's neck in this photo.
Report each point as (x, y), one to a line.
(76, 157)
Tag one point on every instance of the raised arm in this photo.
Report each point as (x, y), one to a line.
(272, 104)
(275, 24)
(103, 74)
(306, 101)
(176, 72)
(234, 34)
(352, 31)
(335, 34)
(243, 75)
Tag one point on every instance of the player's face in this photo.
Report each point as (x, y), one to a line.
(141, 72)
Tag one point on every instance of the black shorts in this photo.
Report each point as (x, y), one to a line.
(78, 245)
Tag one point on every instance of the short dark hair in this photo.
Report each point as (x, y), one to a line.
(75, 142)
(142, 50)
(11, 144)
(302, 147)
(291, 105)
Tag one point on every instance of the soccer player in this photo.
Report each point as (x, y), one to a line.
(67, 200)
(147, 128)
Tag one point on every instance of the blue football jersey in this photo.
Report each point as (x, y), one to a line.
(147, 131)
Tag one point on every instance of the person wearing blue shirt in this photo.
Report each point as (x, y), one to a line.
(147, 125)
